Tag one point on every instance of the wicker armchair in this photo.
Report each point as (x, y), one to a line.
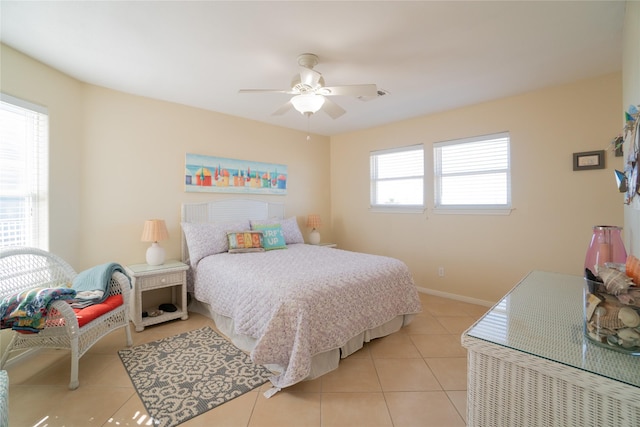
(26, 268)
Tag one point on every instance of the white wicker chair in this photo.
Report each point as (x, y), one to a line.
(25, 268)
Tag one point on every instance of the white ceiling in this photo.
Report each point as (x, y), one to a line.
(430, 56)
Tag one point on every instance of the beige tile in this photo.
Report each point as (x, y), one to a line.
(405, 375)
(422, 409)
(87, 406)
(439, 345)
(393, 346)
(311, 386)
(363, 353)
(477, 311)
(437, 306)
(111, 343)
(131, 414)
(459, 400)
(354, 410)
(286, 409)
(104, 371)
(450, 372)
(352, 375)
(425, 325)
(235, 413)
(168, 329)
(29, 405)
(57, 374)
(93, 370)
(456, 324)
(36, 364)
(424, 356)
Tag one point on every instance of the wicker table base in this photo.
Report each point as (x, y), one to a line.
(553, 377)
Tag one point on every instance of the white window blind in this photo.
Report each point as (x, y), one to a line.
(397, 177)
(473, 173)
(24, 144)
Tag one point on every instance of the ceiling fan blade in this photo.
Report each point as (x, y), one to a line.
(332, 109)
(289, 91)
(309, 77)
(283, 109)
(350, 90)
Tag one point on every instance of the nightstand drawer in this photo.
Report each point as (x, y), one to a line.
(160, 281)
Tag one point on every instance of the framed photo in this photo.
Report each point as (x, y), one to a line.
(588, 160)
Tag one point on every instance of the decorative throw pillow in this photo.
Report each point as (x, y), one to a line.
(245, 241)
(273, 238)
(290, 229)
(208, 238)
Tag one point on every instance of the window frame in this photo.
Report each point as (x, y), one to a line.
(374, 180)
(34, 190)
(490, 209)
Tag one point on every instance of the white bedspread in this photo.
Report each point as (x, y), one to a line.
(304, 300)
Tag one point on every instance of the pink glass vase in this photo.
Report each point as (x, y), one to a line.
(606, 246)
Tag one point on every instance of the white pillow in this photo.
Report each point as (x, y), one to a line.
(290, 229)
(208, 238)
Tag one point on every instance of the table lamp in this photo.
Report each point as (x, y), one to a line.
(313, 221)
(154, 231)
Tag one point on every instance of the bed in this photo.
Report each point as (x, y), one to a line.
(297, 309)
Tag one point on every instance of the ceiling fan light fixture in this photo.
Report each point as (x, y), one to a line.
(307, 103)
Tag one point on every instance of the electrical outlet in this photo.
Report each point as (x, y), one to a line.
(441, 271)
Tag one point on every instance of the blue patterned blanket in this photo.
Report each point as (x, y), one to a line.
(27, 311)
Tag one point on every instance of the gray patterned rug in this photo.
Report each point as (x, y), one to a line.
(181, 377)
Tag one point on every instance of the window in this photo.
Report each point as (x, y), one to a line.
(397, 178)
(24, 135)
(473, 173)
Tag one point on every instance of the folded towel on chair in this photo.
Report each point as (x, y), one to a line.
(27, 311)
(97, 279)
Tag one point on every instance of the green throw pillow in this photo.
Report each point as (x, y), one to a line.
(272, 236)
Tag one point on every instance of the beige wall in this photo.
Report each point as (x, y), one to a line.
(118, 159)
(631, 96)
(34, 82)
(134, 167)
(554, 207)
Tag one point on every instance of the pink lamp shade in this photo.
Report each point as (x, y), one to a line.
(313, 222)
(154, 231)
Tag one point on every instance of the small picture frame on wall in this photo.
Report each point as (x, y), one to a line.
(588, 160)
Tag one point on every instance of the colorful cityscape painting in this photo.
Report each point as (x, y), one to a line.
(218, 174)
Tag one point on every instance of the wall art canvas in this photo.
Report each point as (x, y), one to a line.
(222, 175)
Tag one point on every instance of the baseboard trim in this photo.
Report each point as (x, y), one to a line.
(455, 297)
(27, 354)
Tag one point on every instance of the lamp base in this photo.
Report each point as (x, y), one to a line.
(155, 254)
(314, 237)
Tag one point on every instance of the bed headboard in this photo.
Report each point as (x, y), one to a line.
(227, 210)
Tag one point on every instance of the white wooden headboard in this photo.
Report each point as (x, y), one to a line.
(227, 210)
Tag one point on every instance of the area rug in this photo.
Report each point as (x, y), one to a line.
(181, 377)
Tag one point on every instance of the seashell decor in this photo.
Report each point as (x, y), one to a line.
(615, 281)
(612, 308)
(629, 317)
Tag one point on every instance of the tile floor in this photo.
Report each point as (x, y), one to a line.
(415, 377)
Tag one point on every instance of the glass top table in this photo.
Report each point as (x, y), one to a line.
(543, 316)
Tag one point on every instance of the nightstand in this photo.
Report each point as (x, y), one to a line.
(154, 285)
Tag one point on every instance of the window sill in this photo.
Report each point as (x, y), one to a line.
(472, 211)
(397, 209)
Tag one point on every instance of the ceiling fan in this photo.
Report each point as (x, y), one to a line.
(311, 95)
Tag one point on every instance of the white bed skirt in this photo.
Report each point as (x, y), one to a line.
(321, 363)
